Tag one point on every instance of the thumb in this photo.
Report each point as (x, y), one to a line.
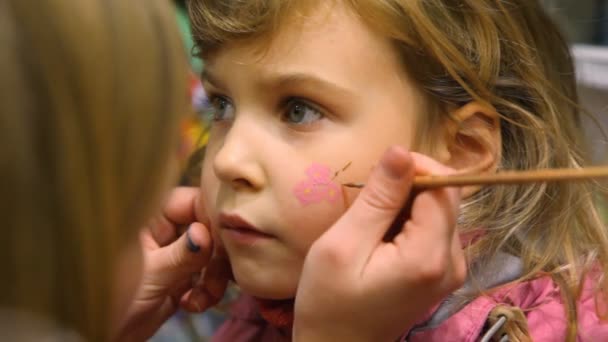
(379, 203)
(210, 290)
(186, 255)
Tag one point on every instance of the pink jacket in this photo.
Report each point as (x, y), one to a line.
(539, 299)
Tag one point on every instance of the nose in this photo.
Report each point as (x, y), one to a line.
(236, 163)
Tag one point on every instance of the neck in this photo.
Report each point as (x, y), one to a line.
(278, 313)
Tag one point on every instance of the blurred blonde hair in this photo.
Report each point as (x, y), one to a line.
(92, 93)
(507, 54)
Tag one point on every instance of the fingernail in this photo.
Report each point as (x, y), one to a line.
(395, 162)
(192, 247)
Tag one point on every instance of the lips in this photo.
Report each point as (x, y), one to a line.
(237, 224)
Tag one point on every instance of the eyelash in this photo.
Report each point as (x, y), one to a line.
(286, 105)
(211, 109)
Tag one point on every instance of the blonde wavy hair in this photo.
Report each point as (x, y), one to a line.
(92, 93)
(508, 54)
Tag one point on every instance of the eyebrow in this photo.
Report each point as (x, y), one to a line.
(208, 76)
(286, 80)
(309, 80)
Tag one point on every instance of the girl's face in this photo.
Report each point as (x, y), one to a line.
(328, 97)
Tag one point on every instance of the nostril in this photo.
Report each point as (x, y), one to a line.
(241, 183)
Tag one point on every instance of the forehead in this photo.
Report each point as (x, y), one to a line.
(332, 40)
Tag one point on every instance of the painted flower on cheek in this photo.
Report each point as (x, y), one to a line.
(333, 192)
(320, 174)
(318, 186)
(309, 192)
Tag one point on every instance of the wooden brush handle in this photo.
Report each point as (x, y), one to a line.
(506, 177)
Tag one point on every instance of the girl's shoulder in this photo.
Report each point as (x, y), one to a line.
(535, 307)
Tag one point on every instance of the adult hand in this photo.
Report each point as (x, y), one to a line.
(357, 287)
(173, 263)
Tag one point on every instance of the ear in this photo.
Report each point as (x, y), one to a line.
(472, 141)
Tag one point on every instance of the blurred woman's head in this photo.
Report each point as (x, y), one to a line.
(91, 95)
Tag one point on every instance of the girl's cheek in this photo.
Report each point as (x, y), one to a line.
(317, 186)
(317, 201)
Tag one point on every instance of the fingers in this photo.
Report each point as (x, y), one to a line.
(432, 228)
(216, 276)
(367, 220)
(459, 263)
(426, 165)
(163, 231)
(187, 255)
(167, 274)
(438, 207)
(210, 289)
(436, 211)
(180, 209)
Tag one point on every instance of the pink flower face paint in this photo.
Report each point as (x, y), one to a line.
(308, 192)
(319, 173)
(333, 192)
(318, 186)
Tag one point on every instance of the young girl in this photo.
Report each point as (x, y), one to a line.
(308, 94)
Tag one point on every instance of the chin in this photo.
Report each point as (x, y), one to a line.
(264, 284)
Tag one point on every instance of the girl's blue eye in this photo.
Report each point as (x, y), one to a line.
(299, 112)
(220, 108)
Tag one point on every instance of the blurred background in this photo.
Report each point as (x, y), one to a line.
(585, 23)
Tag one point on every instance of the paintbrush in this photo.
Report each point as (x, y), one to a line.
(504, 177)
